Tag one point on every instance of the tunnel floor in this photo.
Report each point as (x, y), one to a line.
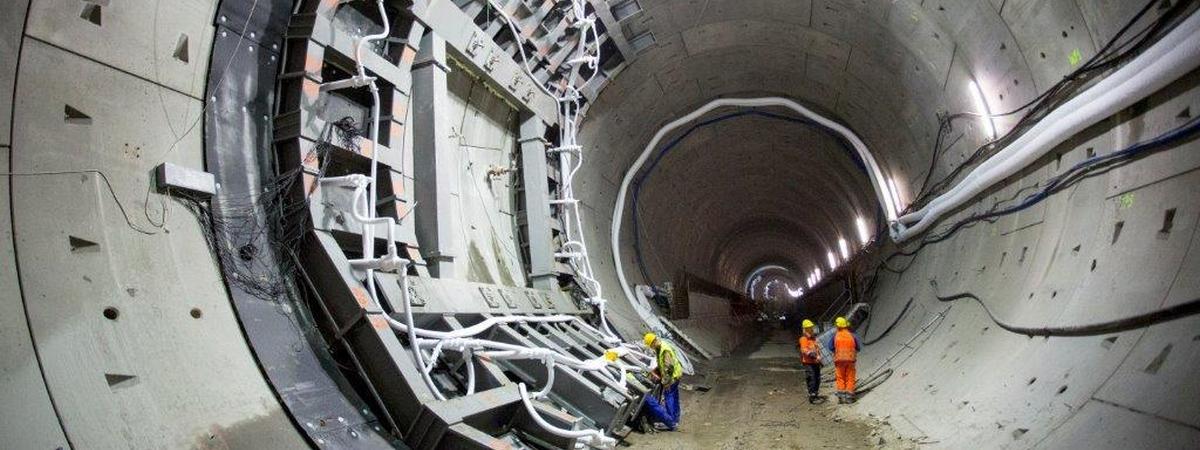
(757, 400)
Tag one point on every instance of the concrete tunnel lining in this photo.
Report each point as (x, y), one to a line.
(85, 377)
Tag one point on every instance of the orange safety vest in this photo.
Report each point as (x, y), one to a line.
(843, 347)
(809, 345)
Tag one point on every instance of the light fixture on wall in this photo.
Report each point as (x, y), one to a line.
(794, 293)
(845, 248)
(863, 235)
(981, 107)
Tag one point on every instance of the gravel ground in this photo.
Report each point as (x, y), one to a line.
(757, 400)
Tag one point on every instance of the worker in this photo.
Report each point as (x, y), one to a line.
(663, 402)
(810, 357)
(845, 345)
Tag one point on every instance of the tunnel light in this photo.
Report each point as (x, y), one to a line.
(985, 113)
(863, 235)
(795, 293)
(832, 261)
(845, 248)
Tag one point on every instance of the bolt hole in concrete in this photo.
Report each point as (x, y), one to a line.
(111, 313)
(1062, 389)
(91, 13)
(1093, 265)
(1108, 342)
(197, 313)
(181, 49)
(1117, 231)
(1168, 222)
(73, 115)
(1158, 361)
(1031, 381)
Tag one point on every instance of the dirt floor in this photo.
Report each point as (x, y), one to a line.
(758, 400)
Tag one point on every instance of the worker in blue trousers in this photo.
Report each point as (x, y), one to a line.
(663, 402)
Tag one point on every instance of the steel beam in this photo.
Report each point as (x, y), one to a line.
(433, 160)
(536, 191)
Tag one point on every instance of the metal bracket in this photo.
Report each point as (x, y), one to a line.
(489, 297)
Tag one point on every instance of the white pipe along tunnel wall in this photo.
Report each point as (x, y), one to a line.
(448, 223)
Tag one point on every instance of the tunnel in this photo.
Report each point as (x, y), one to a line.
(482, 223)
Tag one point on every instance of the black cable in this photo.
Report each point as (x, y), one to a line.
(1061, 91)
(108, 184)
(1073, 175)
(890, 327)
(1167, 314)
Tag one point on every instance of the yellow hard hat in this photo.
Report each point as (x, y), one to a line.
(611, 355)
(841, 322)
(807, 324)
(649, 339)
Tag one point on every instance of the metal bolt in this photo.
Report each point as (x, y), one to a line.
(354, 434)
(310, 425)
(341, 419)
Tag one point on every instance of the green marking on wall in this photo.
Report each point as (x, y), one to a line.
(1126, 201)
(1075, 57)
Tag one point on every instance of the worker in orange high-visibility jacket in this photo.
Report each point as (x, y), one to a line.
(845, 345)
(810, 357)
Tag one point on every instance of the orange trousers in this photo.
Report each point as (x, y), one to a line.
(845, 376)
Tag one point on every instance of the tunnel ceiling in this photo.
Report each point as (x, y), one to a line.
(884, 69)
(869, 65)
(755, 191)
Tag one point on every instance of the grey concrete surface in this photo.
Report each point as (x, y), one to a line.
(171, 368)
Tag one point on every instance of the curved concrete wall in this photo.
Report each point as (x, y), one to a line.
(130, 337)
(883, 68)
(886, 69)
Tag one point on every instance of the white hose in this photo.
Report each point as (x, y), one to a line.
(479, 327)
(1170, 58)
(369, 232)
(594, 438)
(457, 338)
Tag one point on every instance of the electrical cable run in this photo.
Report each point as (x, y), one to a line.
(1178, 311)
(890, 327)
